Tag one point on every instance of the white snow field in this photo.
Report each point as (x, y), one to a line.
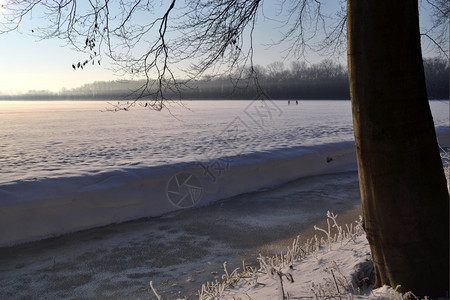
(67, 166)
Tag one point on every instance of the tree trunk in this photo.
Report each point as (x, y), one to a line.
(403, 186)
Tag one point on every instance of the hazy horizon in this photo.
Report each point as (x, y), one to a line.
(31, 64)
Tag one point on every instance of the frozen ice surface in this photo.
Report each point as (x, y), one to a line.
(68, 138)
(178, 251)
(68, 166)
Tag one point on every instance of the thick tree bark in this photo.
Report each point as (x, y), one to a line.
(403, 186)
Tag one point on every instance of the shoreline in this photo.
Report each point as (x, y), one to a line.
(346, 217)
(71, 205)
(178, 252)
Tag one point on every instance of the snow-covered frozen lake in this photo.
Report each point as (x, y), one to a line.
(69, 138)
(78, 166)
(51, 139)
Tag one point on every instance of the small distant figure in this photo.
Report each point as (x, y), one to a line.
(329, 159)
(296, 102)
(289, 102)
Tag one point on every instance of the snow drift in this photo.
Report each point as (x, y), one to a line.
(32, 210)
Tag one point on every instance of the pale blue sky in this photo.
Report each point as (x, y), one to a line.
(27, 63)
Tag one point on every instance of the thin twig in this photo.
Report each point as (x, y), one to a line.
(154, 291)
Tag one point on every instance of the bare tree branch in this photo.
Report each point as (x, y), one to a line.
(438, 34)
(147, 41)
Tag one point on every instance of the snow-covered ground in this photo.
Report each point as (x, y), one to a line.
(61, 139)
(336, 266)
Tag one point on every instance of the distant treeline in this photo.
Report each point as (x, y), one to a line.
(325, 80)
(437, 76)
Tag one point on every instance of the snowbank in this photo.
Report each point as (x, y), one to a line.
(32, 210)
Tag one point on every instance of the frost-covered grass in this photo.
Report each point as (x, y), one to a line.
(281, 270)
(445, 155)
(336, 265)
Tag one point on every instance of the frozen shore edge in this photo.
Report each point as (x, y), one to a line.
(32, 210)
